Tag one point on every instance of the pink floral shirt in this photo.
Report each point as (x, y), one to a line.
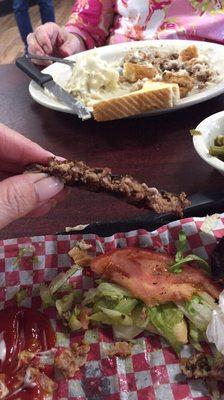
(100, 22)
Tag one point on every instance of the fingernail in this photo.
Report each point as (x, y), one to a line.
(48, 187)
(35, 177)
(59, 158)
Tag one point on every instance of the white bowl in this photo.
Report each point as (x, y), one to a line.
(210, 128)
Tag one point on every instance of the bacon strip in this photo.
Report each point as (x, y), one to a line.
(76, 173)
(146, 274)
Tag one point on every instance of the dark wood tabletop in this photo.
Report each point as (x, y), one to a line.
(156, 150)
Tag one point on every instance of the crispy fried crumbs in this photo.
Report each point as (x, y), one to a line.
(71, 359)
(120, 349)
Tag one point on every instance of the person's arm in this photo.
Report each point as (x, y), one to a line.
(91, 20)
(87, 27)
(24, 194)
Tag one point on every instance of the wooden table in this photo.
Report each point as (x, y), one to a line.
(155, 150)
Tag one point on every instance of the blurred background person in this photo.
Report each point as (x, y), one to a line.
(95, 23)
(21, 11)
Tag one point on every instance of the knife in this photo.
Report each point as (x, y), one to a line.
(50, 58)
(46, 81)
(202, 203)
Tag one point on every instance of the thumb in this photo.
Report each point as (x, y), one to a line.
(21, 194)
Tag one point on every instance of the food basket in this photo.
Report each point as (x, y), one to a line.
(153, 370)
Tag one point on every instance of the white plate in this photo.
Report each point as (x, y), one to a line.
(112, 53)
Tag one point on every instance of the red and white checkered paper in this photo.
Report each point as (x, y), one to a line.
(152, 371)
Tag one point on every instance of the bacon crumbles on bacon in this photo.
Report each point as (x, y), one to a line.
(77, 173)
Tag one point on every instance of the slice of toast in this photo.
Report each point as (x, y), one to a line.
(152, 96)
(133, 72)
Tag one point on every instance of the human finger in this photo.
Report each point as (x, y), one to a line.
(47, 206)
(21, 194)
(33, 45)
(17, 150)
(71, 45)
(43, 39)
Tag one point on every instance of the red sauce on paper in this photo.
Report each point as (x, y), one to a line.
(32, 393)
(22, 329)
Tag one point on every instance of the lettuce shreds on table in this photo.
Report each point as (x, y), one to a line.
(26, 254)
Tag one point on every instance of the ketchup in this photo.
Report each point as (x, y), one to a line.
(27, 393)
(22, 329)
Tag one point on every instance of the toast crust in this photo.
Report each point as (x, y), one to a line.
(154, 95)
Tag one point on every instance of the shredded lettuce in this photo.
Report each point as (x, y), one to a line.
(113, 305)
(27, 252)
(66, 288)
(103, 302)
(141, 317)
(107, 290)
(191, 257)
(126, 306)
(181, 246)
(112, 290)
(64, 304)
(73, 323)
(126, 332)
(180, 259)
(21, 295)
(111, 317)
(168, 320)
(195, 336)
(62, 278)
(46, 296)
(199, 310)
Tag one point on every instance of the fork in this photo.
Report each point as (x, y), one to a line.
(50, 58)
